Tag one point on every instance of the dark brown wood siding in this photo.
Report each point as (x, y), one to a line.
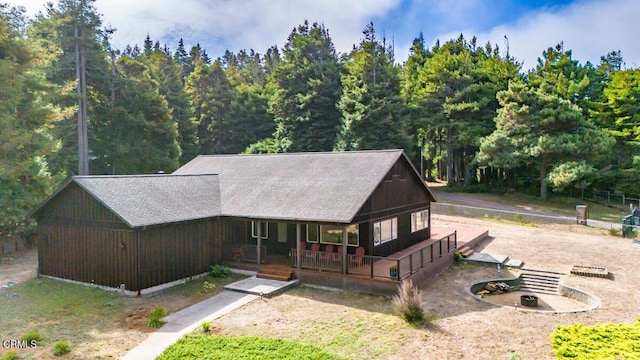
(74, 205)
(398, 195)
(179, 250)
(400, 192)
(87, 254)
(80, 239)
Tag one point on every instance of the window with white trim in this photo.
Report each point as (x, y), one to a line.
(385, 230)
(260, 229)
(419, 220)
(313, 235)
(332, 234)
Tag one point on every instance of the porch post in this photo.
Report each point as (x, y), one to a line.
(298, 240)
(344, 253)
(259, 232)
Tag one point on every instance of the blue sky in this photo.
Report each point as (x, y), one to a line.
(590, 28)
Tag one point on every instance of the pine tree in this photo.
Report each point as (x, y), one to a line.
(25, 121)
(373, 113)
(137, 133)
(305, 89)
(72, 31)
(536, 128)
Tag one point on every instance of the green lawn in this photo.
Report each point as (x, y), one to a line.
(197, 347)
(97, 323)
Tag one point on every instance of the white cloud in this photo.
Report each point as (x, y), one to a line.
(589, 28)
(235, 25)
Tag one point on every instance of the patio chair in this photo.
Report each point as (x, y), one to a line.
(313, 253)
(327, 254)
(358, 257)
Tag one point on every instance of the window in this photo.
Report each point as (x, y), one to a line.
(282, 232)
(312, 233)
(260, 228)
(385, 230)
(332, 234)
(419, 220)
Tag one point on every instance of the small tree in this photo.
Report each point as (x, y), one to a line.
(408, 302)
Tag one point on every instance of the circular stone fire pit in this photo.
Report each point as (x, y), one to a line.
(529, 300)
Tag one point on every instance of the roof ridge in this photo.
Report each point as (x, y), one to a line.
(306, 153)
(140, 176)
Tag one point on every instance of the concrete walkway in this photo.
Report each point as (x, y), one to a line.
(189, 319)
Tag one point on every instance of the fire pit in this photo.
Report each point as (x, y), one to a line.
(529, 300)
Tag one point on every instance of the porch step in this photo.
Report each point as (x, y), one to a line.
(275, 272)
(465, 251)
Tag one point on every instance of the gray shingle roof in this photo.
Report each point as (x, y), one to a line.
(319, 187)
(323, 187)
(142, 200)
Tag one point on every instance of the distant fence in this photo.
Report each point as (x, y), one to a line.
(11, 245)
(612, 198)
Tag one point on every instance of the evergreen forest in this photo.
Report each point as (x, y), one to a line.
(465, 113)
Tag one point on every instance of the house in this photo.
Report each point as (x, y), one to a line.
(344, 213)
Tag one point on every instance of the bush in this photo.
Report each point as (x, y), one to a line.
(219, 271)
(600, 341)
(206, 326)
(11, 355)
(614, 231)
(458, 256)
(408, 302)
(31, 336)
(155, 317)
(61, 347)
(206, 286)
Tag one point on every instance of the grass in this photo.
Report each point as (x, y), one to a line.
(243, 347)
(601, 341)
(555, 204)
(348, 324)
(95, 319)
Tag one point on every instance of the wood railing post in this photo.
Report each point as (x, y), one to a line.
(298, 240)
(371, 267)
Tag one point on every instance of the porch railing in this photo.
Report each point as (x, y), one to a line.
(245, 253)
(378, 266)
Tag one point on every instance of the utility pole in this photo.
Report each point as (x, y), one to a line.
(83, 144)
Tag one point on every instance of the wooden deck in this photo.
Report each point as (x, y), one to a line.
(373, 275)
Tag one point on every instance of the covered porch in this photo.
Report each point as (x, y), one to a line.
(370, 273)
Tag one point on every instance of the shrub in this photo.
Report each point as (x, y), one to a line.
(61, 347)
(206, 326)
(614, 231)
(11, 355)
(219, 271)
(599, 341)
(457, 256)
(155, 317)
(208, 286)
(31, 336)
(408, 302)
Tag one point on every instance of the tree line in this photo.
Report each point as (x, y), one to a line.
(468, 110)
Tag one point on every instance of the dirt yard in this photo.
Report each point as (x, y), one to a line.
(461, 327)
